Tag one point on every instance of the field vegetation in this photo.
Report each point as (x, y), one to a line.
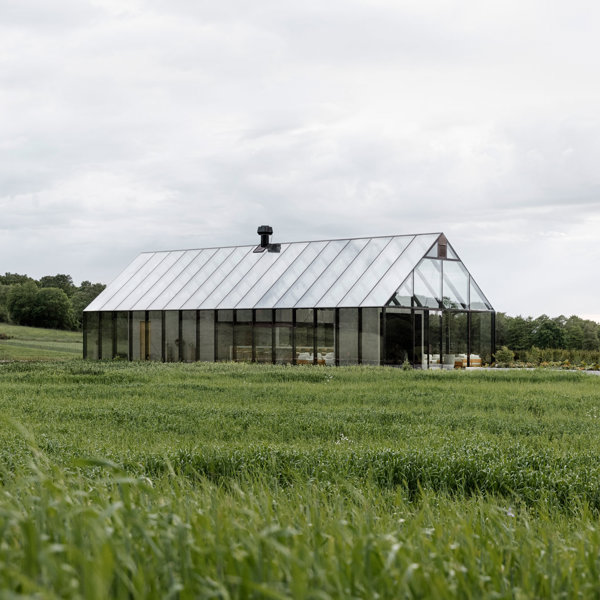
(137, 480)
(33, 343)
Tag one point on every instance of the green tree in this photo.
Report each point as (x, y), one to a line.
(82, 296)
(14, 279)
(520, 333)
(547, 333)
(60, 281)
(590, 336)
(574, 333)
(53, 309)
(21, 303)
(4, 291)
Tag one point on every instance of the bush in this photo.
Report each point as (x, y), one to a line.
(504, 357)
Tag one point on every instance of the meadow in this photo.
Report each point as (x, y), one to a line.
(142, 480)
(34, 343)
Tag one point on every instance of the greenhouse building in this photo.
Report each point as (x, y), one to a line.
(397, 300)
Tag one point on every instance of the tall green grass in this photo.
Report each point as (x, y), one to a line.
(146, 480)
(34, 343)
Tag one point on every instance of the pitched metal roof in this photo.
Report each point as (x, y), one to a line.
(319, 274)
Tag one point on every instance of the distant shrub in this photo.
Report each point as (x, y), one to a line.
(504, 357)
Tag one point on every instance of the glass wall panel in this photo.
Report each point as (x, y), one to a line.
(456, 285)
(172, 341)
(348, 321)
(224, 335)
(326, 336)
(263, 339)
(139, 336)
(398, 336)
(243, 336)
(265, 315)
(283, 336)
(477, 299)
(187, 345)
(122, 325)
(481, 338)
(370, 336)
(304, 336)
(106, 320)
(91, 335)
(419, 356)
(456, 335)
(154, 333)
(428, 283)
(435, 338)
(403, 297)
(207, 335)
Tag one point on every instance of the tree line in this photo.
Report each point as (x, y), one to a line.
(53, 301)
(561, 333)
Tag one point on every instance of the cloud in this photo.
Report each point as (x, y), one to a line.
(139, 125)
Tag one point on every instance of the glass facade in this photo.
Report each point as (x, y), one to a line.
(388, 300)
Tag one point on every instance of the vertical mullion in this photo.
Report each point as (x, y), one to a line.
(336, 339)
(253, 335)
(273, 337)
(130, 334)
(146, 336)
(114, 334)
(469, 339)
(197, 353)
(314, 336)
(382, 348)
(163, 335)
(294, 336)
(100, 320)
(180, 335)
(84, 324)
(360, 325)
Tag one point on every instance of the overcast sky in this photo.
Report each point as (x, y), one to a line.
(133, 125)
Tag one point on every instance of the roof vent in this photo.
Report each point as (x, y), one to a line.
(265, 231)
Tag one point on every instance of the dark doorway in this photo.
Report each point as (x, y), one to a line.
(398, 338)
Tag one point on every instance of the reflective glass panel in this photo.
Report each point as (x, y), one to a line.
(172, 341)
(477, 300)
(140, 298)
(91, 335)
(312, 273)
(451, 254)
(224, 341)
(370, 336)
(353, 272)
(264, 315)
(283, 344)
(243, 315)
(348, 322)
(326, 337)
(115, 285)
(283, 315)
(399, 271)
(119, 299)
(263, 340)
(106, 320)
(122, 325)
(171, 282)
(287, 279)
(187, 344)
(456, 335)
(304, 336)
(277, 265)
(243, 341)
(428, 283)
(403, 297)
(139, 336)
(190, 278)
(154, 333)
(456, 285)
(218, 276)
(330, 275)
(376, 271)
(207, 335)
(481, 338)
(434, 319)
(243, 270)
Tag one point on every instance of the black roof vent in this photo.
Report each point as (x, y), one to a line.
(265, 231)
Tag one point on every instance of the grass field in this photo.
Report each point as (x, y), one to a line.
(34, 343)
(247, 481)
